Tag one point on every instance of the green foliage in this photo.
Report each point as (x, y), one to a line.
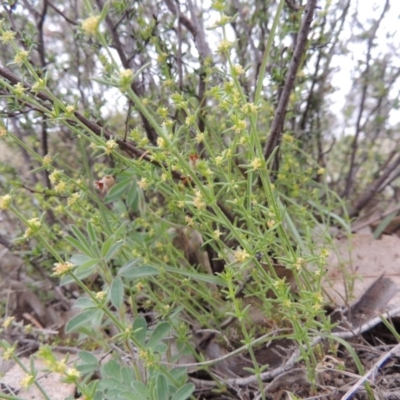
(110, 199)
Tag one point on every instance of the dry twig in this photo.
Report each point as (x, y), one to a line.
(277, 123)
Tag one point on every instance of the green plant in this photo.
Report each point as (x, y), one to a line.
(254, 204)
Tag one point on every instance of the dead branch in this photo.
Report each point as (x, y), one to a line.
(277, 123)
(370, 192)
(366, 82)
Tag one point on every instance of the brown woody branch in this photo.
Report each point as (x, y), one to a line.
(193, 25)
(277, 123)
(375, 187)
(366, 81)
(127, 146)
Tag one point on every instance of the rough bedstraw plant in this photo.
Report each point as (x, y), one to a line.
(211, 178)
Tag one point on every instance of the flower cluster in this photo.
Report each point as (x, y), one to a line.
(5, 201)
(110, 146)
(241, 255)
(90, 25)
(3, 131)
(198, 201)
(20, 57)
(34, 226)
(7, 36)
(61, 269)
(125, 78)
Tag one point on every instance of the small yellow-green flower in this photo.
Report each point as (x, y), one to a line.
(287, 138)
(72, 374)
(139, 286)
(166, 308)
(3, 131)
(143, 183)
(33, 227)
(143, 142)
(321, 171)
(222, 21)
(200, 137)
(90, 25)
(238, 69)
(216, 234)
(287, 303)
(7, 322)
(147, 358)
(162, 57)
(70, 109)
(28, 329)
(60, 187)
(270, 223)
(190, 120)
(241, 255)
(189, 220)
(219, 160)
(164, 176)
(162, 112)
(45, 353)
(239, 126)
(110, 146)
(60, 209)
(60, 366)
(161, 142)
(8, 353)
(46, 160)
(61, 269)
(7, 36)
(55, 176)
(256, 164)
(19, 89)
(198, 201)
(126, 74)
(27, 381)
(249, 108)
(299, 263)
(5, 201)
(224, 46)
(38, 85)
(180, 204)
(208, 173)
(218, 5)
(125, 77)
(20, 57)
(324, 253)
(178, 99)
(101, 295)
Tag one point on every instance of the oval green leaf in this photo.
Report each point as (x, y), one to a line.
(117, 292)
(132, 272)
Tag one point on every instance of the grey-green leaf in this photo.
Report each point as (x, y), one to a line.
(162, 387)
(112, 370)
(184, 392)
(159, 333)
(116, 246)
(81, 319)
(139, 328)
(81, 246)
(117, 292)
(130, 271)
(141, 388)
(117, 190)
(88, 363)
